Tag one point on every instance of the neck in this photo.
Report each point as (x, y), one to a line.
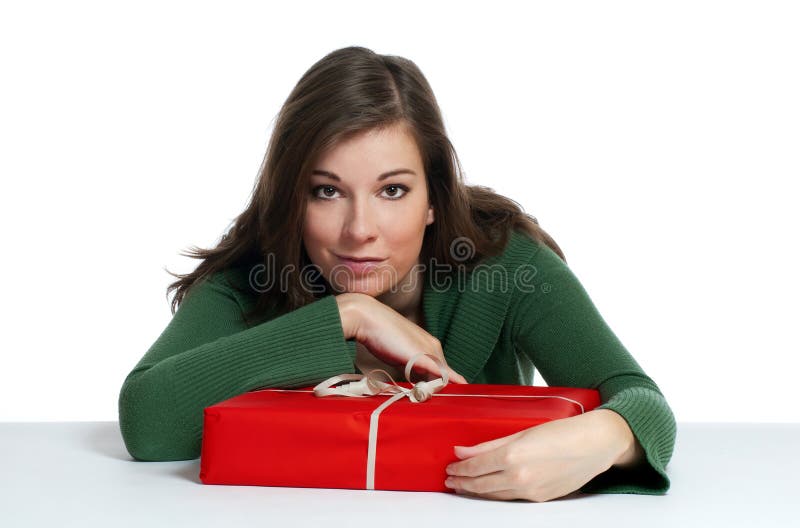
(406, 299)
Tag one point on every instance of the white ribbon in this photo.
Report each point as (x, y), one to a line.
(366, 385)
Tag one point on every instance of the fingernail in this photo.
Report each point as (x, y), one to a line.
(448, 483)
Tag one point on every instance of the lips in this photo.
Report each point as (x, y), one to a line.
(359, 259)
(360, 265)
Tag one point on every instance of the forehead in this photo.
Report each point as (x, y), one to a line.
(374, 149)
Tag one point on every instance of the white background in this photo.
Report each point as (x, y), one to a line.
(658, 143)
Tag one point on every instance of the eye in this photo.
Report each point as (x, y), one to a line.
(394, 192)
(325, 189)
(393, 195)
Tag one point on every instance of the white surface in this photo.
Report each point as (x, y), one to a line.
(79, 474)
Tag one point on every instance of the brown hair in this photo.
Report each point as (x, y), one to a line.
(350, 91)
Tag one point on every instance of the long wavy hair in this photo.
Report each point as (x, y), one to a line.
(347, 92)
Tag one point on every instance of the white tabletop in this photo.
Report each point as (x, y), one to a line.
(79, 474)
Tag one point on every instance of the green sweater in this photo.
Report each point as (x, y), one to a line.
(524, 308)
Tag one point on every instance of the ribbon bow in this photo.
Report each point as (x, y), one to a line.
(366, 385)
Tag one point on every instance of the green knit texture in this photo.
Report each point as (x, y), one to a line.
(492, 330)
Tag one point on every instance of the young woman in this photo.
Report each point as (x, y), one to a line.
(360, 247)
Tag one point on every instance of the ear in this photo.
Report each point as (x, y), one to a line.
(429, 220)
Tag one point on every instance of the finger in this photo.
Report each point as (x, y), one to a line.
(497, 495)
(431, 370)
(452, 377)
(481, 464)
(469, 451)
(484, 484)
(456, 377)
(427, 366)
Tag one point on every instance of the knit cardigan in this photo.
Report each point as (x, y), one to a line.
(517, 312)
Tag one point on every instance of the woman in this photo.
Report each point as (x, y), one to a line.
(361, 247)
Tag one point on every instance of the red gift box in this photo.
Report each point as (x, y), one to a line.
(292, 437)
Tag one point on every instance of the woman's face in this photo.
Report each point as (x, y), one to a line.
(367, 197)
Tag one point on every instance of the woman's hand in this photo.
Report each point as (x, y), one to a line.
(543, 462)
(389, 336)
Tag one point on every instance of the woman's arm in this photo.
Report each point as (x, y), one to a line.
(558, 326)
(206, 355)
(632, 455)
(389, 336)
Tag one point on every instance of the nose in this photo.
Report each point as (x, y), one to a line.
(360, 224)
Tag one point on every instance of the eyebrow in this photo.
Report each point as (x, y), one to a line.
(383, 176)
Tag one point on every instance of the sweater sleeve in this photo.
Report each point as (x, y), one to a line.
(558, 326)
(207, 354)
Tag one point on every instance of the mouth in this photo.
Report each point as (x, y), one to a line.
(359, 265)
(359, 259)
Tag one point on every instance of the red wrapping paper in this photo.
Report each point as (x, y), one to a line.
(294, 438)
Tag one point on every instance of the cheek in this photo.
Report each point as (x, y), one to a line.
(403, 234)
(405, 238)
(406, 218)
(317, 231)
(405, 225)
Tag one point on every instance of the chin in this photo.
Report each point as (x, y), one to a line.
(369, 288)
(373, 284)
(370, 292)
